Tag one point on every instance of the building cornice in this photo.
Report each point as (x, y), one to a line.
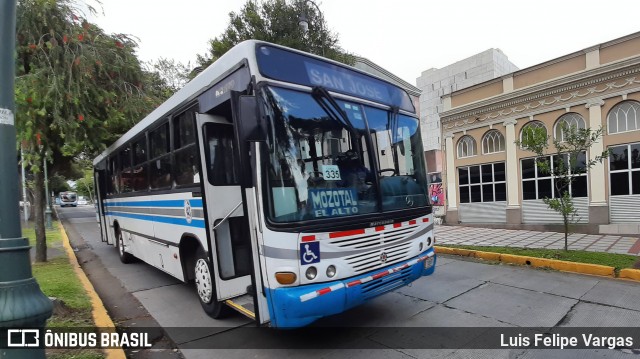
(620, 40)
(556, 60)
(523, 71)
(530, 97)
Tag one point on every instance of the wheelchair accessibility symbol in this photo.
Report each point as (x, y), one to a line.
(309, 253)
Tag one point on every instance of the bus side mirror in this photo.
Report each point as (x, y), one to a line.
(250, 119)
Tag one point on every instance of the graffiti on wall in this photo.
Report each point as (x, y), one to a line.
(436, 194)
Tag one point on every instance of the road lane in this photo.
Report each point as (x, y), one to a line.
(462, 293)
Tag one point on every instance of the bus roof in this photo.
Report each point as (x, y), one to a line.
(201, 82)
(207, 78)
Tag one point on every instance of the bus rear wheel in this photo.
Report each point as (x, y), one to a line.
(205, 287)
(124, 256)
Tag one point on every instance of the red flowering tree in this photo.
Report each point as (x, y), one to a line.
(77, 89)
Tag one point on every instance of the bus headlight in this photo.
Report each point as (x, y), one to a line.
(428, 241)
(311, 273)
(331, 271)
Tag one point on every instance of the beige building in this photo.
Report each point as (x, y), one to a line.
(489, 179)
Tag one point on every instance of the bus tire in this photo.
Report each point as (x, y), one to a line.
(205, 287)
(124, 256)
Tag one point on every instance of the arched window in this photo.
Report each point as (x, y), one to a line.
(568, 120)
(624, 117)
(492, 142)
(532, 124)
(466, 147)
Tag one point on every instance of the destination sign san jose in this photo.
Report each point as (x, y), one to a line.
(345, 82)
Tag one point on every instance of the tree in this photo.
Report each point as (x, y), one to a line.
(84, 185)
(77, 89)
(166, 76)
(277, 22)
(568, 161)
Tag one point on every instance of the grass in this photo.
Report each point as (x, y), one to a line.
(58, 279)
(618, 261)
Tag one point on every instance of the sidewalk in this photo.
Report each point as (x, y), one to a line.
(475, 236)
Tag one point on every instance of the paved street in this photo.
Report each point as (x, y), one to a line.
(535, 239)
(462, 293)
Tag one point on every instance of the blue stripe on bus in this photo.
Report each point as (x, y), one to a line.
(195, 203)
(199, 223)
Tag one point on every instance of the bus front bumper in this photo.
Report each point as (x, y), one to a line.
(299, 306)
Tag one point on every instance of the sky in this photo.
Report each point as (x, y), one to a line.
(406, 37)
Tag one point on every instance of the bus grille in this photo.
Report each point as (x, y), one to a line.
(365, 262)
(372, 240)
(385, 284)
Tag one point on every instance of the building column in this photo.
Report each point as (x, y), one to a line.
(452, 193)
(598, 206)
(514, 210)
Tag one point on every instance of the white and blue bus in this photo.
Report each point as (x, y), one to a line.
(284, 185)
(68, 199)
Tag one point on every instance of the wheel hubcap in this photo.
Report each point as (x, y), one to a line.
(203, 281)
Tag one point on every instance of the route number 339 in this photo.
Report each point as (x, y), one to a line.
(331, 173)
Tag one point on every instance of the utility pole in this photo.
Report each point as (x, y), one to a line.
(24, 190)
(47, 211)
(24, 304)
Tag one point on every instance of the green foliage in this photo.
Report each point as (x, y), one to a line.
(57, 277)
(77, 88)
(563, 205)
(84, 185)
(58, 184)
(571, 161)
(166, 76)
(277, 21)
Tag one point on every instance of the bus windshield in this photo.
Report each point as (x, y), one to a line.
(345, 160)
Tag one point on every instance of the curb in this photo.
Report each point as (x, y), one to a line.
(628, 273)
(564, 266)
(100, 316)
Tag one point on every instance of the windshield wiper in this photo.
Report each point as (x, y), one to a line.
(331, 107)
(392, 126)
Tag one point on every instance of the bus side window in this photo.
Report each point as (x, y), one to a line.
(113, 176)
(185, 149)
(160, 164)
(125, 173)
(220, 152)
(139, 173)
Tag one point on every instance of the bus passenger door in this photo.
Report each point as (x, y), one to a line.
(100, 186)
(230, 244)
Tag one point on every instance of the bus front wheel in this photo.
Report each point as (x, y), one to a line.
(205, 287)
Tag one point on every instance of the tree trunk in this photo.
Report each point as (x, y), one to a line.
(41, 238)
(565, 219)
